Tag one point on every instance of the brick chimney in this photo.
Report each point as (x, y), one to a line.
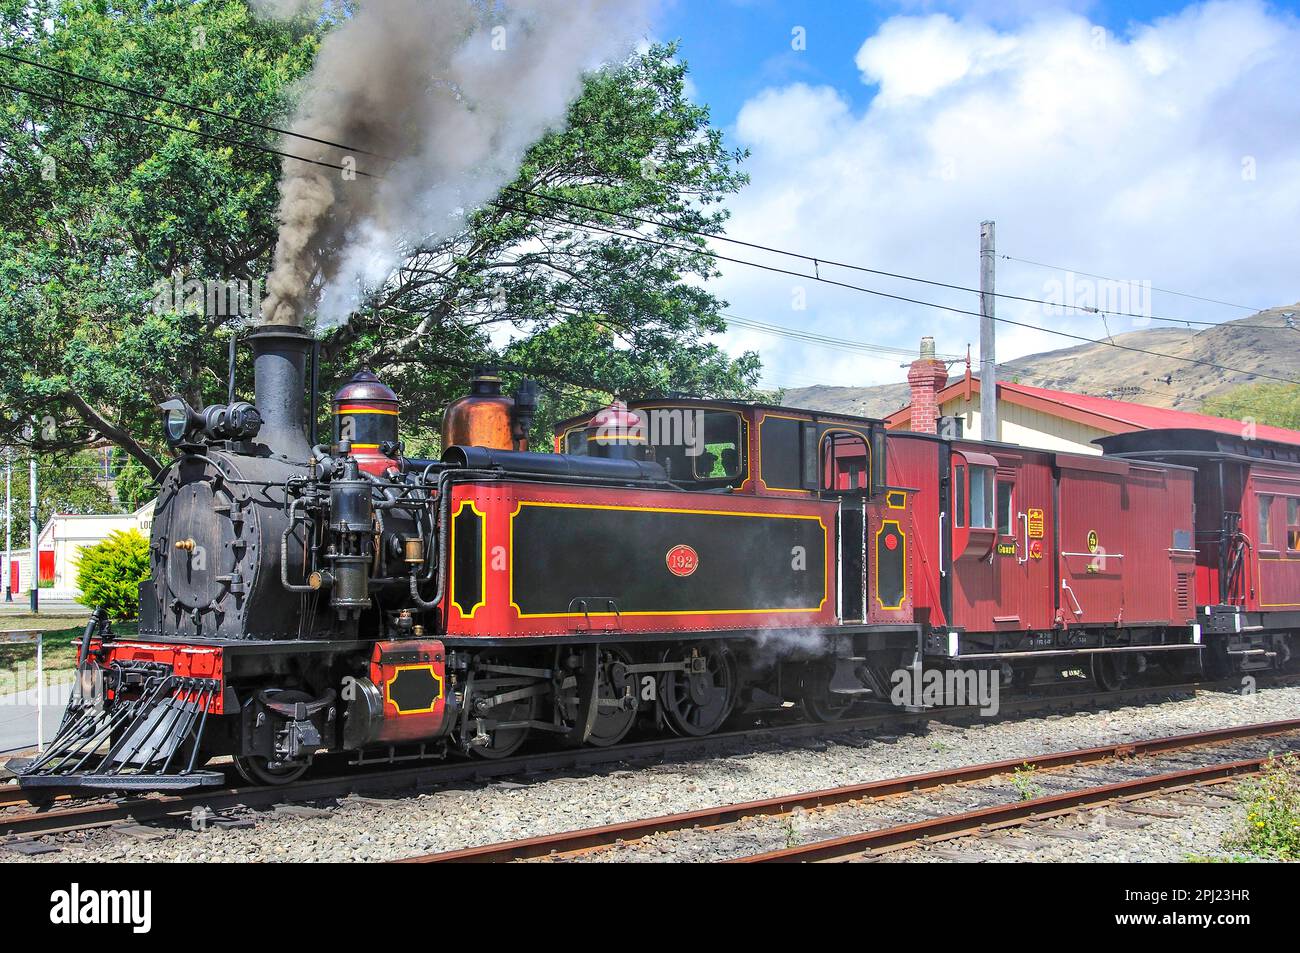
(927, 376)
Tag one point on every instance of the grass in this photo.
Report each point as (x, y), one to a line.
(60, 643)
(1272, 800)
(1022, 779)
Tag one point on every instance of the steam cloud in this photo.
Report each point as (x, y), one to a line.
(445, 96)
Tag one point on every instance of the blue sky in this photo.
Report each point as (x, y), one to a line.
(738, 47)
(1150, 141)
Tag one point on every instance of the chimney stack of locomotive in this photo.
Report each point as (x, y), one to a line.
(927, 376)
(279, 375)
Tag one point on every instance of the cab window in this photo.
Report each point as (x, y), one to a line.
(698, 446)
(575, 442)
(845, 461)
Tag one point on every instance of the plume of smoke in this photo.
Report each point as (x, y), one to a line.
(440, 98)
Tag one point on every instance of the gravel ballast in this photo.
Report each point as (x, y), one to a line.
(373, 829)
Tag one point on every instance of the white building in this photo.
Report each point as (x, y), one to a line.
(64, 536)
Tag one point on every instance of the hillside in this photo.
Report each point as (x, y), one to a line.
(1101, 369)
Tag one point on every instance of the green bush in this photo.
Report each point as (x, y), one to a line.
(110, 574)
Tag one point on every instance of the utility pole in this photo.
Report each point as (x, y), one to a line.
(9, 524)
(988, 347)
(31, 536)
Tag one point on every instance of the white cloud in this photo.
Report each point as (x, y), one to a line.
(1128, 155)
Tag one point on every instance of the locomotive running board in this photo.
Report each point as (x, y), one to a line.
(143, 736)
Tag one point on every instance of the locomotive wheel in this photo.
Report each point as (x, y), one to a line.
(1110, 672)
(818, 702)
(698, 703)
(503, 742)
(612, 724)
(255, 769)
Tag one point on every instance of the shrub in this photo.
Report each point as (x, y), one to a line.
(1272, 800)
(110, 574)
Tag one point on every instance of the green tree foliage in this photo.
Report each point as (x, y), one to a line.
(73, 483)
(110, 573)
(101, 216)
(1277, 405)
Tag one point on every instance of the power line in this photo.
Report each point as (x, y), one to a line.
(179, 103)
(167, 125)
(708, 252)
(880, 351)
(816, 261)
(1181, 294)
(928, 304)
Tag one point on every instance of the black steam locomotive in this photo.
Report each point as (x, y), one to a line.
(343, 597)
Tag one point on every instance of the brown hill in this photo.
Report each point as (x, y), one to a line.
(1104, 370)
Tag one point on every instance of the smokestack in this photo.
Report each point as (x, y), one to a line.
(279, 374)
(927, 376)
(440, 99)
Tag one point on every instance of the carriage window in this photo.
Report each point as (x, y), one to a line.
(1265, 518)
(1293, 524)
(1004, 508)
(981, 497)
(959, 496)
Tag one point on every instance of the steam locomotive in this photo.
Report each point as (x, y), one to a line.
(669, 564)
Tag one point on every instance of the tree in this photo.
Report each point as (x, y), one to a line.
(103, 217)
(73, 483)
(590, 312)
(109, 574)
(1275, 405)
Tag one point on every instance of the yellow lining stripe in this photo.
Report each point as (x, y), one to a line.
(674, 612)
(388, 690)
(366, 410)
(451, 557)
(902, 593)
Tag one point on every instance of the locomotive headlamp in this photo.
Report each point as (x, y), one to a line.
(179, 420)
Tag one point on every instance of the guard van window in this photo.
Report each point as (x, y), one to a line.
(1004, 508)
(959, 496)
(981, 497)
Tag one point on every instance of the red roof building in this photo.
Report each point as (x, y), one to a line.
(1060, 420)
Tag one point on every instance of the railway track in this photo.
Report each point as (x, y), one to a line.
(948, 824)
(21, 817)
